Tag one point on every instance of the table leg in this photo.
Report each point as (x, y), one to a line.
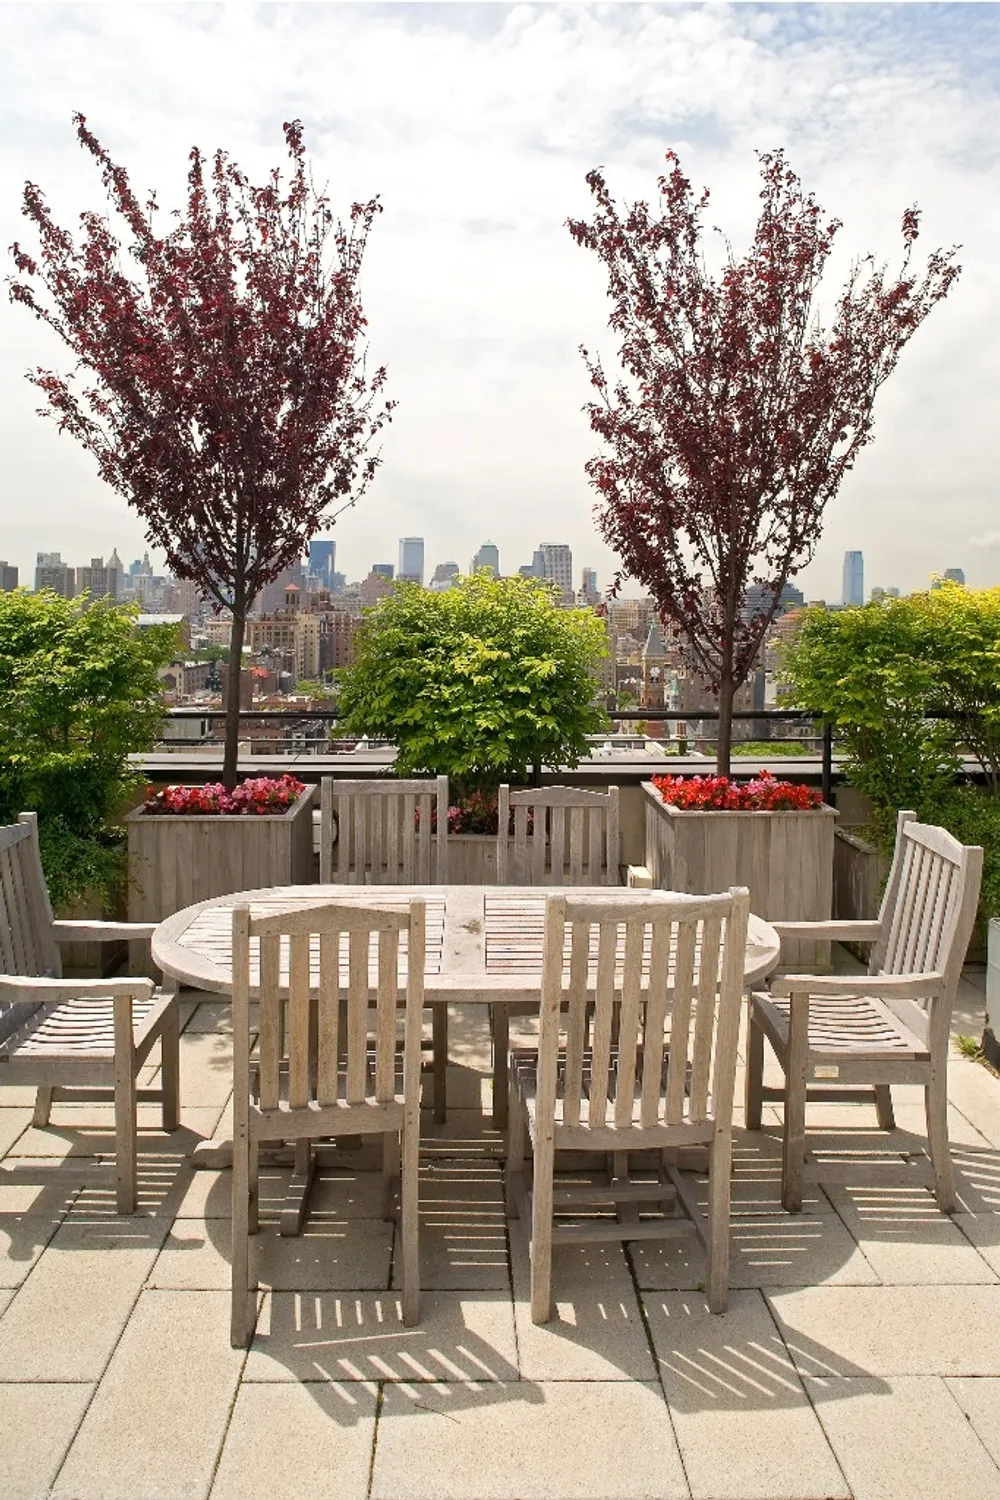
(293, 1209)
(500, 1024)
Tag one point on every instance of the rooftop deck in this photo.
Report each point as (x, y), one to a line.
(860, 1355)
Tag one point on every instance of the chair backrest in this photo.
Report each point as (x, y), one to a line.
(27, 946)
(929, 905)
(382, 833)
(562, 836)
(666, 967)
(316, 972)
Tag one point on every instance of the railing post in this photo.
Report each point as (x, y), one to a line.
(828, 763)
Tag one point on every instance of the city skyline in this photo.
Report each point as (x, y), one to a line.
(476, 298)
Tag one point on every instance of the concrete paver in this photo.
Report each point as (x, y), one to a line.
(575, 1440)
(925, 1447)
(157, 1420)
(312, 1442)
(37, 1425)
(743, 1421)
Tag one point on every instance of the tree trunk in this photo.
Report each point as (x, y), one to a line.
(724, 744)
(235, 676)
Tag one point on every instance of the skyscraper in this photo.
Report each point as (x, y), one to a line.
(488, 556)
(589, 592)
(384, 570)
(557, 565)
(955, 575)
(52, 573)
(411, 558)
(8, 578)
(322, 559)
(854, 578)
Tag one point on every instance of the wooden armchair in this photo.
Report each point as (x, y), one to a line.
(672, 991)
(889, 1026)
(76, 1038)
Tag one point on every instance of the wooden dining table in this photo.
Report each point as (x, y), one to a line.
(484, 943)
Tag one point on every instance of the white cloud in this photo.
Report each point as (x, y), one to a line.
(477, 125)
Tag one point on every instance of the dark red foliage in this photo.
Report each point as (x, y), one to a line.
(740, 414)
(220, 378)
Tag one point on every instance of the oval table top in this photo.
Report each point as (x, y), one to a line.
(484, 943)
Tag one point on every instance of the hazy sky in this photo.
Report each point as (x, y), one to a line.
(477, 124)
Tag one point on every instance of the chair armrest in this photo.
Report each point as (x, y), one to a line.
(881, 986)
(837, 932)
(43, 990)
(100, 932)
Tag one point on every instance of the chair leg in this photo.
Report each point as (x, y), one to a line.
(126, 1165)
(43, 1106)
(514, 1166)
(500, 1024)
(755, 1074)
(241, 1317)
(410, 1224)
(794, 1142)
(170, 1066)
(253, 1188)
(541, 1231)
(390, 1171)
(720, 1163)
(936, 1109)
(883, 1107)
(439, 1033)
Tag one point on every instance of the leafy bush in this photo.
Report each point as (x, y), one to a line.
(479, 682)
(972, 814)
(873, 672)
(79, 693)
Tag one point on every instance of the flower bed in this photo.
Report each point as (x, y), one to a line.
(706, 833)
(722, 794)
(259, 796)
(188, 844)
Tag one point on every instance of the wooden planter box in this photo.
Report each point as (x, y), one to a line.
(176, 861)
(785, 858)
(92, 960)
(859, 873)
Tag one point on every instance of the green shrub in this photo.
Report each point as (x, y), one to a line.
(79, 693)
(479, 682)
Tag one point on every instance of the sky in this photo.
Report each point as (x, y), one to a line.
(476, 125)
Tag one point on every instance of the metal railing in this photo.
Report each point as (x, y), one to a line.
(824, 734)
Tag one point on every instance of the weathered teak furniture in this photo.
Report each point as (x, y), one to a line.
(76, 1038)
(328, 1062)
(672, 993)
(562, 836)
(384, 833)
(890, 1026)
(380, 833)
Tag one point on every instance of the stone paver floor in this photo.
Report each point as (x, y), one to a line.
(860, 1355)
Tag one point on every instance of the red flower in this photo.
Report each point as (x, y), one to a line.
(254, 797)
(719, 793)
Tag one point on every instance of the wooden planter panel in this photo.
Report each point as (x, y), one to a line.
(785, 858)
(175, 861)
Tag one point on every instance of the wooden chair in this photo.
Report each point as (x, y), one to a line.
(544, 855)
(328, 1062)
(562, 836)
(667, 1083)
(890, 1026)
(379, 832)
(76, 1039)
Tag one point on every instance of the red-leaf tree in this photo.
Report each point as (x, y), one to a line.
(742, 413)
(220, 376)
